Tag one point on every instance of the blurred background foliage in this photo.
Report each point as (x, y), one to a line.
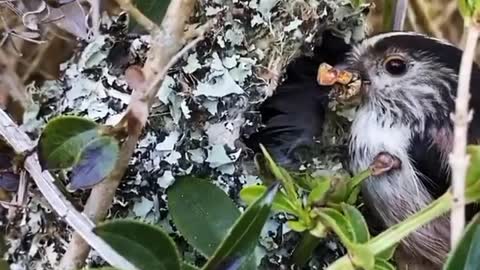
(439, 18)
(35, 62)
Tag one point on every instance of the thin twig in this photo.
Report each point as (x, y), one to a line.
(141, 19)
(33, 65)
(459, 159)
(400, 14)
(154, 86)
(20, 142)
(95, 13)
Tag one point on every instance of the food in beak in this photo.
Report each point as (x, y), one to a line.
(346, 86)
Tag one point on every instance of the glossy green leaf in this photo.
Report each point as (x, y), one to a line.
(319, 192)
(466, 255)
(63, 139)
(357, 223)
(144, 245)
(249, 194)
(154, 10)
(95, 162)
(240, 243)
(337, 222)
(202, 212)
(362, 256)
(381, 264)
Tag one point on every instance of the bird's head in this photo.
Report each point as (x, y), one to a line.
(408, 75)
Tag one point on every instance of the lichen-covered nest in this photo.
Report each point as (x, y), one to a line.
(207, 102)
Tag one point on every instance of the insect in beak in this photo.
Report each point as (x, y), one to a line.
(347, 86)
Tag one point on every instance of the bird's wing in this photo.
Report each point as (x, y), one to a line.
(296, 112)
(430, 151)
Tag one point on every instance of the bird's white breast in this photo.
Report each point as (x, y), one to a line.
(396, 195)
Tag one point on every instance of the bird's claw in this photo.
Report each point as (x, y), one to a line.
(384, 162)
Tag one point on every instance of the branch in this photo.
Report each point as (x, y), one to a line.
(138, 15)
(400, 14)
(165, 51)
(20, 142)
(459, 159)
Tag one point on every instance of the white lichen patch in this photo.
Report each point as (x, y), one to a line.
(203, 108)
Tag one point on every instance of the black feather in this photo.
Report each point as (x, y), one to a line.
(426, 155)
(295, 114)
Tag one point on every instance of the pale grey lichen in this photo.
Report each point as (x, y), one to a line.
(197, 119)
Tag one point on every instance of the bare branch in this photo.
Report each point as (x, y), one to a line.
(166, 43)
(20, 142)
(400, 14)
(95, 13)
(459, 159)
(137, 15)
(154, 87)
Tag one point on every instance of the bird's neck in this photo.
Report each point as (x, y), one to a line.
(399, 194)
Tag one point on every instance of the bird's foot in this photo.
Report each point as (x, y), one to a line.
(385, 162)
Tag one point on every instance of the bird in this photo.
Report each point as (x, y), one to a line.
(295, 115)
(405, 110)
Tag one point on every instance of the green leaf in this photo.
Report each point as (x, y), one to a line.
(473, 172)
(96, 161)
(334, 220)
(71, 141)
(357, 223)
(362, 256)
(297, 226)
(387, 254)
(146, 246)
(243, 237)
(202, 212)
(381, 264)
(466, 8)
(154, 10)
(357, 3)
(63, 139)
(249, 194)
(281, 174)
(319, 192)
(187, 266)
(466, 255)
(319, 231)
(338, 192)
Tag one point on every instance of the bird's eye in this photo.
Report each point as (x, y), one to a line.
(395, 65)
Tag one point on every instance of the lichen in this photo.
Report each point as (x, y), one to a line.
(196, 122)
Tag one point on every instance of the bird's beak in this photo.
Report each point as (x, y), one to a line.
(347, 84)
